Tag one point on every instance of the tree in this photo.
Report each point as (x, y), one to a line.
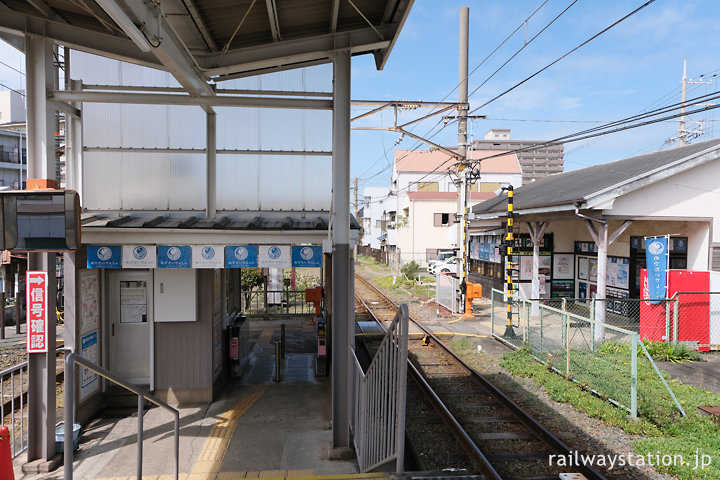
(249, 279)
(410, 270)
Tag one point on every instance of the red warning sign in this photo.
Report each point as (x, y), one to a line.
(37, 312)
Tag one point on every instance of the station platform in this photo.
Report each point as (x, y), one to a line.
(257, 428)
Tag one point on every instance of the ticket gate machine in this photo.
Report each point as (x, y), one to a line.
(315, 295)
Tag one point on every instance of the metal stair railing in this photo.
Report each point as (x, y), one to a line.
(72, 359)
(378, 414)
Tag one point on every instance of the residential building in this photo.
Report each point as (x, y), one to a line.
(425, 214)
(13, 159)
(12, 107)
(376, 203)
(536, 159)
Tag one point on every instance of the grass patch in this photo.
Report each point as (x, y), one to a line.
(665, 431)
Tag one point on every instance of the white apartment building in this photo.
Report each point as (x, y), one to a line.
(421, 209)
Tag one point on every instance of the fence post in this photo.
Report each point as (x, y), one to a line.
(667, 321)
(675, 318)
(592, 325)
(567, 336)
(526, 332)
(492, 311)
(633, 376)
(564, 320)
(541, 329)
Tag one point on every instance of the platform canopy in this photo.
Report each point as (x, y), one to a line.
(202, 40)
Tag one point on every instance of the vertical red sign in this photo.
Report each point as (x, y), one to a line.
(37, 312)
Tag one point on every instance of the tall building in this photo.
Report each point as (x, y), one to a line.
(12, 107)
(536, 161)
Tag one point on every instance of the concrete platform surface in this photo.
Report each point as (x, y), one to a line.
(255, 429)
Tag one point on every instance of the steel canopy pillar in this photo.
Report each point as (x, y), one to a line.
(211, 164)
(40, 72)
(342, 284)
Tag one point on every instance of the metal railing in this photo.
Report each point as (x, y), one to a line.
(582, 349)
(72, 359)
(378, 415)
(276, 302)
(13, 382)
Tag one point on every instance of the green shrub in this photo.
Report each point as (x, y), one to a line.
(410, 270)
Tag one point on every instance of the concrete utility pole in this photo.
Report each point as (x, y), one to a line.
(684, 133)
(355, 196)
(462, 135)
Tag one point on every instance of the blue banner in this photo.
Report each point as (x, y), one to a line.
(241, 256)
(174, 256)
(307, 256)
(104, 256)
(656, 255)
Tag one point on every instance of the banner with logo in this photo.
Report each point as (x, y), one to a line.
(104, 256)
(208, 256)
(307, 256)
(656, 255)
(174, 256)
(278, 256)
(139, 256)
(241, 256)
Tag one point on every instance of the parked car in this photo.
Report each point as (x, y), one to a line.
(447, 266)
(443, 256)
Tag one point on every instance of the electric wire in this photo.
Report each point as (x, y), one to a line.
(617, 22)
(522, 48)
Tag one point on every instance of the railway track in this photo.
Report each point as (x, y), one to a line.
(496, 437)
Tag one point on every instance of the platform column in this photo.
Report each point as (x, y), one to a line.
(342, 285)
(42, 167)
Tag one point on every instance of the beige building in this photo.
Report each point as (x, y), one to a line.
(424, 219)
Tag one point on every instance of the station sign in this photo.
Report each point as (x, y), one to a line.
(37, 311)
(104, 256)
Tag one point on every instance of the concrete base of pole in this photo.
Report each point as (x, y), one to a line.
(509, 332)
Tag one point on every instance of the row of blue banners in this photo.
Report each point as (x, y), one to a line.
(203, 256)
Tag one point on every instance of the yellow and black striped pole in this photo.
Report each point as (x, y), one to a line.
(509, 242)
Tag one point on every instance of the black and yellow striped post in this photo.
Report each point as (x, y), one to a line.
(509, 243)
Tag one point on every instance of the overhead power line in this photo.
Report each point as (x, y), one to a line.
(12, 68)
(641, 7)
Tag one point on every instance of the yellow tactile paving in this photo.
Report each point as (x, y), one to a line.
(208, 463)
(301, 473)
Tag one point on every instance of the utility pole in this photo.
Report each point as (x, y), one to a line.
(462, 137)
(683, 133)
(355, 196)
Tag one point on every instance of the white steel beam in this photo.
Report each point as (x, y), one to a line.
(302, 153)
(197, 19)
(334, 15)
(171, 99)
(41, 163)
(295, 51)
(274, 22)
(167, 46)
(342, 286)
(99, 43)
(45, 9)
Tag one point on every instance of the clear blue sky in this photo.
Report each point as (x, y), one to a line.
(633, 67)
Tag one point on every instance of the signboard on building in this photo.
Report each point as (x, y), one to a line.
(307, 256)
(37, 312)
(241, 256)
(174, 256)
(104, 256)
(139, 256)
(208, 256)
(89, 379)
(277, 256)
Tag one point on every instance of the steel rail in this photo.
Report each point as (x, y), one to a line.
(540, 432)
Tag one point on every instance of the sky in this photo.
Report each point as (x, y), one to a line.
(633, 67)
